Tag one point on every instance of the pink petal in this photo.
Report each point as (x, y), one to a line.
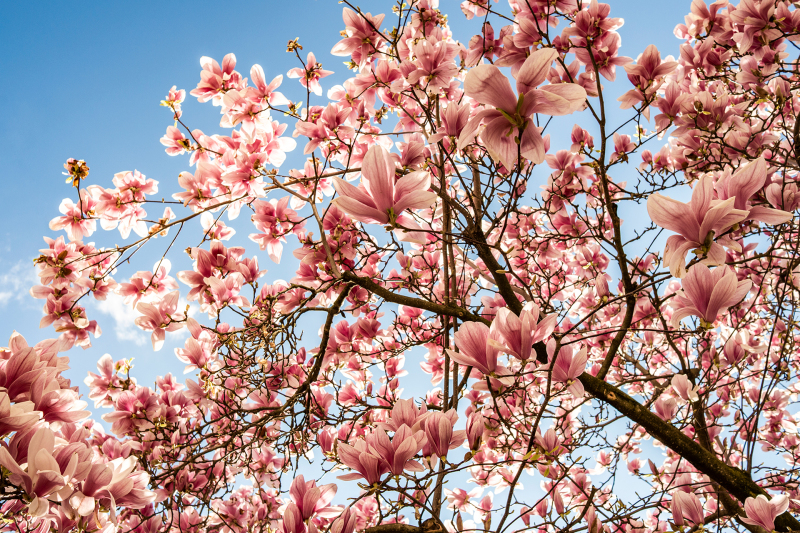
(500, 145)
(534, 70)
(487, 85)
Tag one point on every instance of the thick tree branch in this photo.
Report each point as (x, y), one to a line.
(735, 481)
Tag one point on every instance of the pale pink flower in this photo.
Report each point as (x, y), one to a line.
(215, 229)
(313, 500)
(568, 366)
(79, 218)
(215, 81)
(17, 416)
(510, 132)
(742, 185)
(696, 224)
(708, 293)
(175, 141)
(666, 408)
(472, 340)
(311, 74)
(763, 512)
(380, 198)
(42, 475)
(263, 92)
(362, 36)
(165, 317)
(521, 332)
(174, 99)
(681, 384)
(686, 505)
(440, 433)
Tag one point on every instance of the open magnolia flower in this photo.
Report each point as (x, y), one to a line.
(510, 132)
(380, 199)
(707, 293)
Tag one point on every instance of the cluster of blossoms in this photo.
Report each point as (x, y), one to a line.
(60, 469)
(560, 345)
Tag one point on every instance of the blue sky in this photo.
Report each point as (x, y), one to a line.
(85, 79)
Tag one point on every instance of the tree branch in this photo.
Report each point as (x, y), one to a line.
(409, 301)
(732, 479)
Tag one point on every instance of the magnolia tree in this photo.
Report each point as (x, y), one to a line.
(633, 375)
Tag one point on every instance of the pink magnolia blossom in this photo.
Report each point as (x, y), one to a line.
(681, 384)
(161, 318)
(440, 433)
(397, 453)
(708, 293)
(405, 412)
(510, 131)
(42, 475)
(310, 74)
(742, 185)
(696, 223)
(686, 505)
(175, 141)
(262, 92)
(346, 523)
(364, 461)
(313, 500)
(78, 220)
(380, 198)
(362, 37)
(762, 512)
(520, 333)
(475, 350)
(476, 424)
(16, 416)
(215, 80)
(568, 366)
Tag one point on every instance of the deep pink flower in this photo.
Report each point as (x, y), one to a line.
(742, 185)
(472, 340)
(686, 505)
(440, 433)
(397, 453)
(360, 458)
(312, 500)
(476, 424)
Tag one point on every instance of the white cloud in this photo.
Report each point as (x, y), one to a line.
(124, 327)
(16, 284)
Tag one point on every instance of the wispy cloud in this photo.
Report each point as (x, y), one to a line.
(16, 283)
(124, 327)
(124, 316)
